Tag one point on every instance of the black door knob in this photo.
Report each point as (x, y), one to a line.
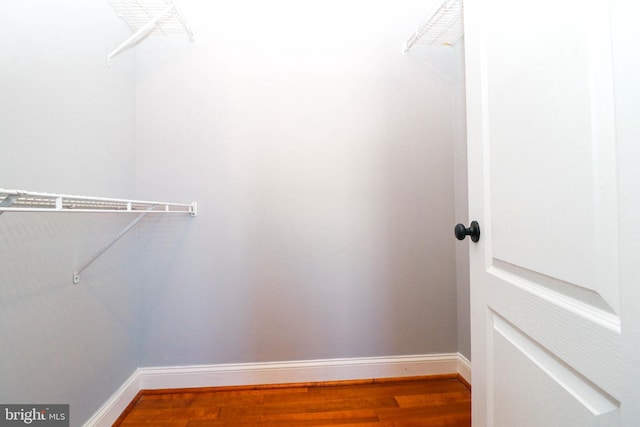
(474, 231)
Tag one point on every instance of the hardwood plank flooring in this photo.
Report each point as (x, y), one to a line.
(443, 401)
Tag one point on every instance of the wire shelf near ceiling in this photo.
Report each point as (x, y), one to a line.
(149, 17)
(138, 13)
(442, 27)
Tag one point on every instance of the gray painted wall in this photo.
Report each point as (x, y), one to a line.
(323, 164)
(67, 125)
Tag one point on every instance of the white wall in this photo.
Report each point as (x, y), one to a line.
(323, 164)
(67, 125)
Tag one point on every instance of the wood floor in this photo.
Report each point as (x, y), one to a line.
(425, 402)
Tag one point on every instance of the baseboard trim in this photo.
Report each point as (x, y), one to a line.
(277, 373)
(116, 404)
(464, 368)
(292, 372)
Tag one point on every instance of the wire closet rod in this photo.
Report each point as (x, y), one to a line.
(31, 201)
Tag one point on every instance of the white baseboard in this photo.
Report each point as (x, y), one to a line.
(464, 368)
(293, 372)
(276, 373)
(116, 404)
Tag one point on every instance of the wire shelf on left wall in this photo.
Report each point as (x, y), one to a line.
(30, 201)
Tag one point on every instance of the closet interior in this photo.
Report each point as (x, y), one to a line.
(328, 168)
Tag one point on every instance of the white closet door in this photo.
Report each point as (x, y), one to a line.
(549, 176)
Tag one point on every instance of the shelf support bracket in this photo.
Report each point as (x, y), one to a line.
(140, 33)
(76, 274)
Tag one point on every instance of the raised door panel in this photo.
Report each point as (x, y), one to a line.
(552, 171)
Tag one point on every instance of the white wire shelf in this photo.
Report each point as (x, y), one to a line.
(29, 201)
(442, 27)
(148, 17)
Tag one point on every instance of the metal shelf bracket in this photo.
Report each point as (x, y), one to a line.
(76, 274)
